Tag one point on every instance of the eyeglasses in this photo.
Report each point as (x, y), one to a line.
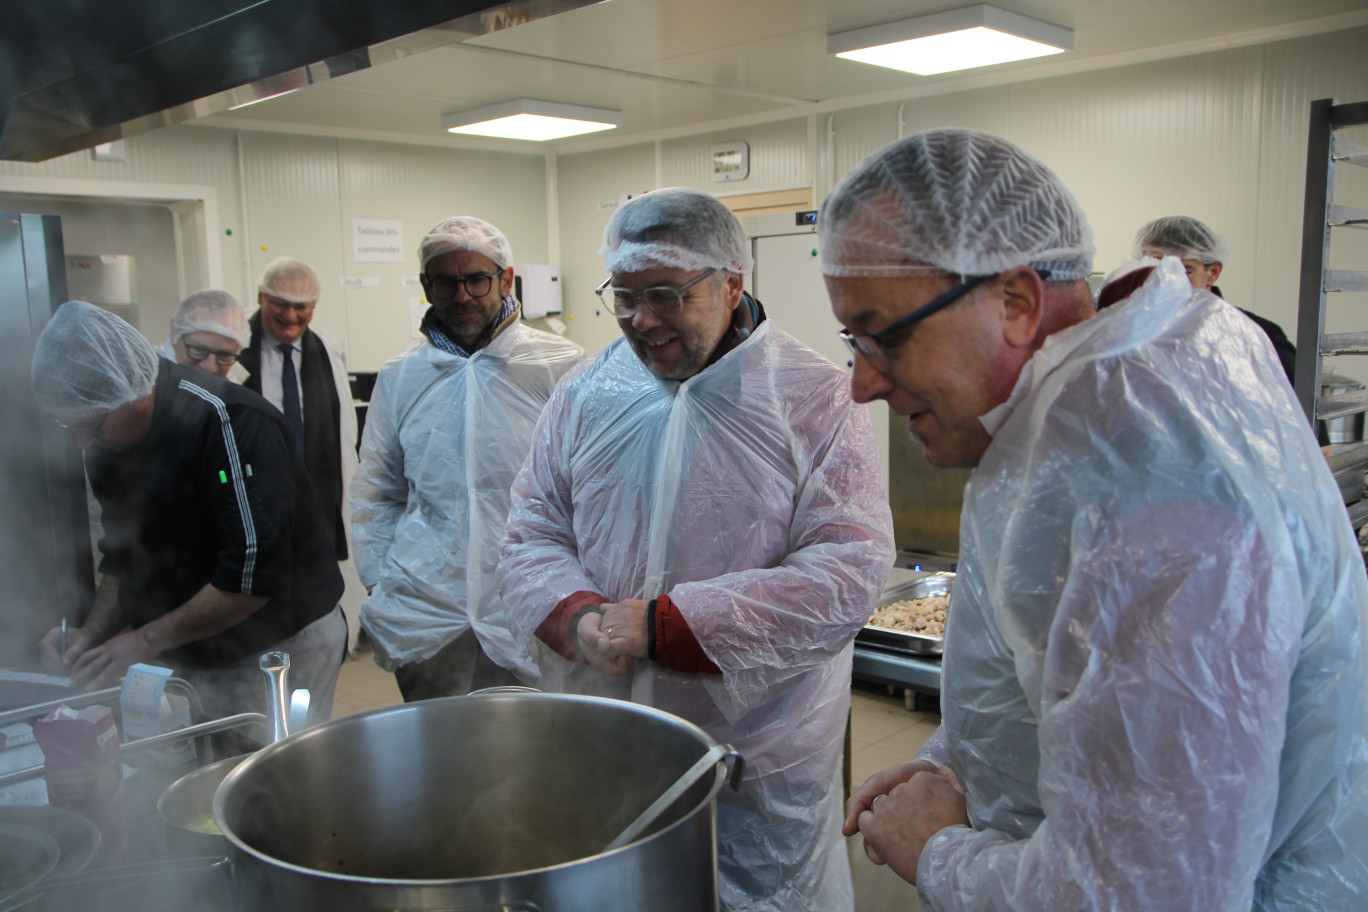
(283, 306)
(198, 353)
(664, 300)
(92, 428)
(443, 288)
(874, 346)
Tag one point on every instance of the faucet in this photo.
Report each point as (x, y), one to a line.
(287, 714)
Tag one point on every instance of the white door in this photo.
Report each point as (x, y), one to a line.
(788, 281)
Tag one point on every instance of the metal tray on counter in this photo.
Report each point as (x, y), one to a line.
(916, 643)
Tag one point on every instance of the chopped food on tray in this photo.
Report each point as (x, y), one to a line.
(925, 616)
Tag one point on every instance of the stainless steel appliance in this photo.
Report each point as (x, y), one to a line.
(45, 555)
(926, 502)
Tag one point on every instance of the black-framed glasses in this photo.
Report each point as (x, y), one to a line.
(92, 428)
(873, 347)
(198, 353)
(283, 306)
(664, 300)
(443, 287)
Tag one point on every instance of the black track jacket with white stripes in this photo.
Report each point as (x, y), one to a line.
(215, 493)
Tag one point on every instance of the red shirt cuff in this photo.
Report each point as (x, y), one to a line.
(558, 630)
(675, 646)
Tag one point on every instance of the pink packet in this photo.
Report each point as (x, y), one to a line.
(81, 750)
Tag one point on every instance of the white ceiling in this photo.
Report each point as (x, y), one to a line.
(675, 67)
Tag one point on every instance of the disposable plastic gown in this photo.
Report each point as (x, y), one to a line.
(752, 495)
(1153, 682)
(444, 437)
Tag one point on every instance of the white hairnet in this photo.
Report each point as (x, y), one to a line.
(465, 232)
(87, 359)
(282, 270)
(675, 228)
(1184, 237)
(959, 201)
(212, 311)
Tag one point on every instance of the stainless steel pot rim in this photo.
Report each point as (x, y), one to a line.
(243, 770)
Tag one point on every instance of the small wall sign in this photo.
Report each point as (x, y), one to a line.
(730, 161)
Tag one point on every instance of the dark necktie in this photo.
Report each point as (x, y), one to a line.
(289, 395)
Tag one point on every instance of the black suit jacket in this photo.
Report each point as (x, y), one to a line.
(322, 423)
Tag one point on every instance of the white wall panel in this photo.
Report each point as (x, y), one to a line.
(293, 210)
(418, 187)
(590, 184)
(1140, 142)
(778, 159)
(301, 194)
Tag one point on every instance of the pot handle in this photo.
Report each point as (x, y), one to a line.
(738, 767)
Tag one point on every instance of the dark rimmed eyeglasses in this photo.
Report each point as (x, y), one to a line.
(198, 353)
(873, 347)
(443, 287)
(93, 428)
(280, 305)
(663, 300)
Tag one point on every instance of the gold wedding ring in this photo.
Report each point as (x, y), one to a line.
(609, 630)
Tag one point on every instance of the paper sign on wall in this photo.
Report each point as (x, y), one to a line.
(359, 281)
(417, 308)
(377, 241)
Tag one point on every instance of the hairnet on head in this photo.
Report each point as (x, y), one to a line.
(212, 311)
(675, 228)
(87, 359)
(1181, 236)
(960, 201)
(287, 269)
(465, 232)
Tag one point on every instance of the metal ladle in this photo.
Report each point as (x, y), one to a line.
(681, 785)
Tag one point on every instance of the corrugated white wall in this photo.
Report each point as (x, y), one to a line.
(1220, 136)
(589, 187)
(301, 194)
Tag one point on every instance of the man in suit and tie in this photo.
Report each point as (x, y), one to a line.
(303, 374)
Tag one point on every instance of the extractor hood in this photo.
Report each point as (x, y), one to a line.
(77, 73)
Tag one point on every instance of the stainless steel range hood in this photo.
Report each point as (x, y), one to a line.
(77, 73)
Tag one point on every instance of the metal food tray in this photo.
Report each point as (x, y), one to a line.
(917, 643)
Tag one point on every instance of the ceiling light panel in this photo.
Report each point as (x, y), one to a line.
(528, 119)
(961, 39)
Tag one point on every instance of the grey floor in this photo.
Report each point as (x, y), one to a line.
(883, 732)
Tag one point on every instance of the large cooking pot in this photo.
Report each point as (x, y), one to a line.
(187, 810)
(504, 801)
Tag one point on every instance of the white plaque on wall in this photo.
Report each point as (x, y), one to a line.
(730, 161)
(377, 241)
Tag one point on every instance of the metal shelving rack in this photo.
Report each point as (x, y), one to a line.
(1322, 214)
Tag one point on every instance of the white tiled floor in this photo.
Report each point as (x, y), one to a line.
(883, 732)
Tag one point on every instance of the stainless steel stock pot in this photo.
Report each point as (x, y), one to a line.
(496, 802)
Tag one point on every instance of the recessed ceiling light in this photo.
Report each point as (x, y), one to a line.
(532, 120)
(960, 39)
(261, 99)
